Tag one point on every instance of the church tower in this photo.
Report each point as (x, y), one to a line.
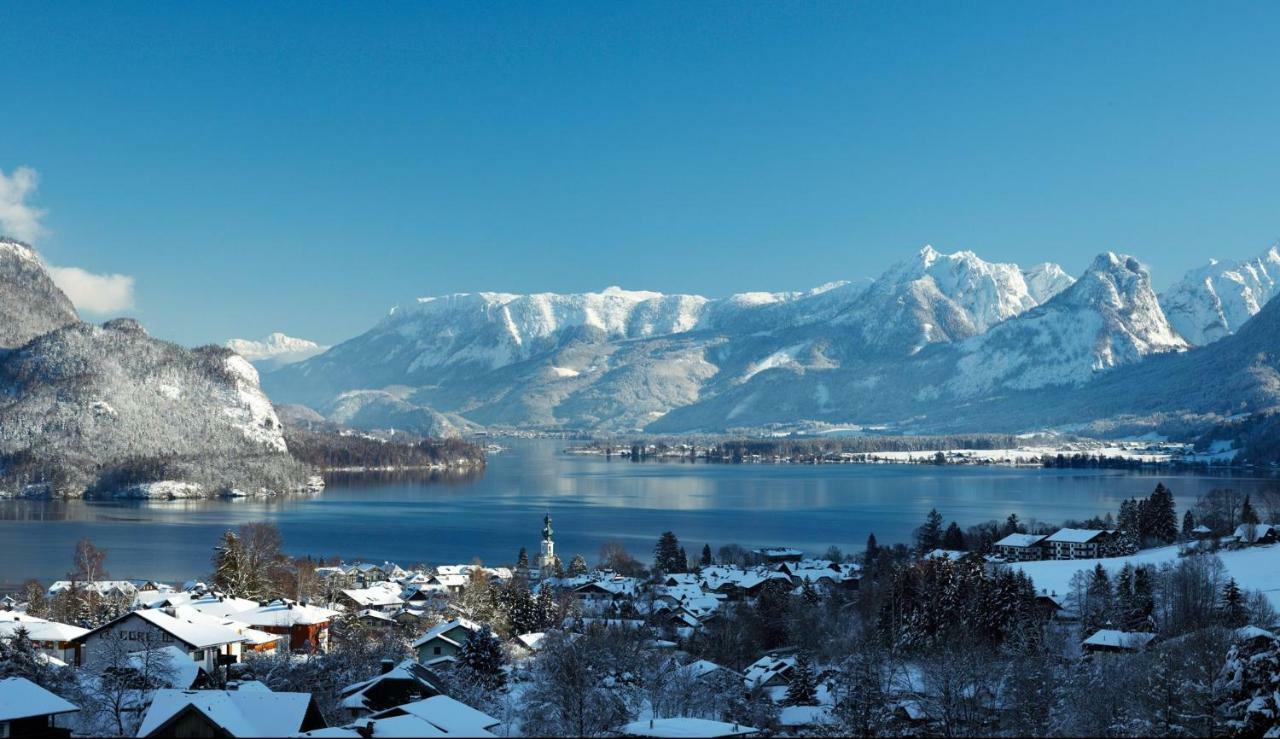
(547, 552)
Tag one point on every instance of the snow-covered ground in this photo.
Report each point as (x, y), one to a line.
(1254, 568)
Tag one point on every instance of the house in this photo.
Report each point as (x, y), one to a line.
(1256, 533)
(1110, 640)
(406, 682)
(770, 671)
(1202, 532)
(677, 728)
(307, 627)
(447, 715)
(1021, 547)
(1078, 543)
(26, 709)
(383, 596)
(207, 644)
(50, 638)
(230, 713)
(442, 643)
(376, 619)
(1052, 606)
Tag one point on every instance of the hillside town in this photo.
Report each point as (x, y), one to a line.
(952, 636)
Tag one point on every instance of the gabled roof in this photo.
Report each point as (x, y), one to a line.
(439, 631)
(450, 716)
(353, 695)
(239, 713)
(39, 629)
(1021, 540)
(1075, 536)
(21, 698)
(197, 635)
(1119, 639)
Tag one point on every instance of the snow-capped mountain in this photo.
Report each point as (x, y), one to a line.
(939, 298)
(30, 303)
(622, 359)
(107, 408)
(1109, 317)
(275, 351)
(1215, 300)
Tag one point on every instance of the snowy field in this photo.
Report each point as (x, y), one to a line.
(1255, 568)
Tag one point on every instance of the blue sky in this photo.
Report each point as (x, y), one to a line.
(304, 167)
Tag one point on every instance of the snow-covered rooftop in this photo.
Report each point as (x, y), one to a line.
(1074, 536)
(1020, 540)
(21, 698)
(239, 713)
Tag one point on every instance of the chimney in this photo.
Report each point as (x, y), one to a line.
(388, 665)
(365, 731)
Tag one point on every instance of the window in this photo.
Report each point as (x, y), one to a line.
(197, 655)
(437, 650)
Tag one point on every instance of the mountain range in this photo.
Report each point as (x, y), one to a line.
(938, 342)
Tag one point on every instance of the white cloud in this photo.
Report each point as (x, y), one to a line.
(18, 219)
(94, 293)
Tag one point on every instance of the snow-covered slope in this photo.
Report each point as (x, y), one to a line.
(101, 408)
(30, 304)
(1109, 317)
(275, 351)
(939, 298)
(1215, 300)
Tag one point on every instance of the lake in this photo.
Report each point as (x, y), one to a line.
(591, 500)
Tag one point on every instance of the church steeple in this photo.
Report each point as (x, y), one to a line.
(547, 552)
(546, 528)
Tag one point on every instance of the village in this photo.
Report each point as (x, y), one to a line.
(770, 641)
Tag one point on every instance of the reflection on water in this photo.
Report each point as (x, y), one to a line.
(438, 517)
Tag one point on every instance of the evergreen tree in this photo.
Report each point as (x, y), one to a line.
(929, 536)
(1161, 515)
(803, 688)
(872, 553)
(1188, 525)
(684, 560)
(1012, 526)
(666, 554)
(577, 565)
(1233, 610)
(1142, 604)
(953, 539)
(481, 655)
(522, 560)
(706, 556)
(1247, 514)
(1096, 613)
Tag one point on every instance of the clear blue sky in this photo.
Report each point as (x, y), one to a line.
(304, 167)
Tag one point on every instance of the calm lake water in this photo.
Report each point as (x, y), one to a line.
(591, 500)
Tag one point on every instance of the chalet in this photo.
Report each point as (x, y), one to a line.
(230, 713)
(26, 709)
(406, 682)
(376, 619)
(207, 644)
(1052, 606)
(1202, 532)
(770, 671)
(50, 638)
(1110, 640)
(1022, 547)
(442, 643)
(1256, 533)
(1078, 543)
(381, 597)
(306, 627)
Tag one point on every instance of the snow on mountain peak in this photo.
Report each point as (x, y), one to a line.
(276, 350)
(1213, 301)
